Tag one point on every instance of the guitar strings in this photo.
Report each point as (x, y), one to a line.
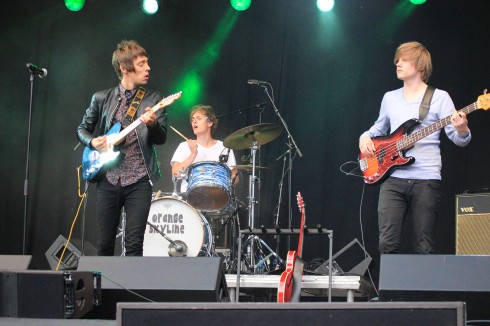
(393, 146)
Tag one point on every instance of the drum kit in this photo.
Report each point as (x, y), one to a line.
(204, 220)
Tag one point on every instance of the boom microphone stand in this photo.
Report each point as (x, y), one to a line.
(291, 144)
(41, 73)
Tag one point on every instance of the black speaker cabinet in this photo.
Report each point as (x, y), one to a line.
(473, 224)
(160, 279)
(257, 314)
(437, 278)
(46, 294)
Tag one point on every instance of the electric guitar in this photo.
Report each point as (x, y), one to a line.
(390, 150)
(289, 288)
(94, 162)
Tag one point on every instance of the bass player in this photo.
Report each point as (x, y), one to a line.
(413, 191)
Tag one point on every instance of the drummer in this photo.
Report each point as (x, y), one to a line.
(204, 148)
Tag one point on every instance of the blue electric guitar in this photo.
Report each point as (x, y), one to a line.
(94, 162)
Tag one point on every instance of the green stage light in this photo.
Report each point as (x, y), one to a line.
(149, 6)
(74, 5)
(240, 5)
(325, 5)
(418, 2)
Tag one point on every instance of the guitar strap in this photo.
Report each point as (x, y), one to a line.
(135, 104)
(425, 105)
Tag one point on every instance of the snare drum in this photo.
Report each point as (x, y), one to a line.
(209, 186)
(181, 223)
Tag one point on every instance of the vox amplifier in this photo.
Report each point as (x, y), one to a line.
(473, 224)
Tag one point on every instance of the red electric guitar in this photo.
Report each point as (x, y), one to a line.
(390, 150)
(289, 288)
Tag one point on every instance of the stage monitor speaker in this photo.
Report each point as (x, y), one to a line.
(15, 262)
(437, 278)
(352, 259)
(365, 313)
(160, 279)
(72, 253)
(46, 294)
(473, 224)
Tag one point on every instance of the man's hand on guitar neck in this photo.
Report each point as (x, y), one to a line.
(460, 123)
(149, 117)
(366, 146)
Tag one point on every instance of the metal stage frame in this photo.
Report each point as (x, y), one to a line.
(312, 285)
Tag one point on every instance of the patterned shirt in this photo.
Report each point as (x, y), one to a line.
(132, 167)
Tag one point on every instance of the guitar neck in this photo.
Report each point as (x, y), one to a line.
(301, 229)
(123, 133)
(408, 140)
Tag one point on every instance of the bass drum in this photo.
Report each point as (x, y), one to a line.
(182, 224)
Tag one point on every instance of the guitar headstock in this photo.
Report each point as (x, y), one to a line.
(170, 99)
(483, 101)
(301, 204)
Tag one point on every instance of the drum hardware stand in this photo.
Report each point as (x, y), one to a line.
(251, 204)
(266, 258)
(176, 248)
(174, 192)
(234, 253)
(314, 231)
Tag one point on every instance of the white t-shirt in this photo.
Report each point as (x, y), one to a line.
(203, 154)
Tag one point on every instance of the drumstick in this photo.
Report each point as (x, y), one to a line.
(178, 133)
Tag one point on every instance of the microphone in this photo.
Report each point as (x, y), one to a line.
(223, 158)
(42, 72)
(256, 82)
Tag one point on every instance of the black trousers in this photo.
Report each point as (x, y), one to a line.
(136, 200)
(418, 200)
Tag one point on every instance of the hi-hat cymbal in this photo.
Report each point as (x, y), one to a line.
(247, 167)
(261, 133)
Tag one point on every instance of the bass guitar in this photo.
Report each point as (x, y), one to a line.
(95, 162)
(289, 288)
(390, 150)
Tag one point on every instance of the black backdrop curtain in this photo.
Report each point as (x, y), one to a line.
(328, 72)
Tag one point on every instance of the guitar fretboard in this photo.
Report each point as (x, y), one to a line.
(166, 101)
(407, 141)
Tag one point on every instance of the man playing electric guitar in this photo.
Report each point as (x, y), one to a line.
(129, 182)
(413, 190)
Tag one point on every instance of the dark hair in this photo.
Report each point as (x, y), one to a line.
(124, 55)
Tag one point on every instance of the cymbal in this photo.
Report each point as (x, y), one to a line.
(243, 138)
(248, 167)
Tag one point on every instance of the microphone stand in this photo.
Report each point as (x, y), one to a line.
(239, 111)
(278, 208)
(26, 181)
(292, 147)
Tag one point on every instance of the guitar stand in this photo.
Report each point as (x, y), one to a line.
(277, 231)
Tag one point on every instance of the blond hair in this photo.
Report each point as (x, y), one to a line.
(419, 55)
(208, 111)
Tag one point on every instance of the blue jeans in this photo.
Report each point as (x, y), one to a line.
(418, 200)
(136, 199)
